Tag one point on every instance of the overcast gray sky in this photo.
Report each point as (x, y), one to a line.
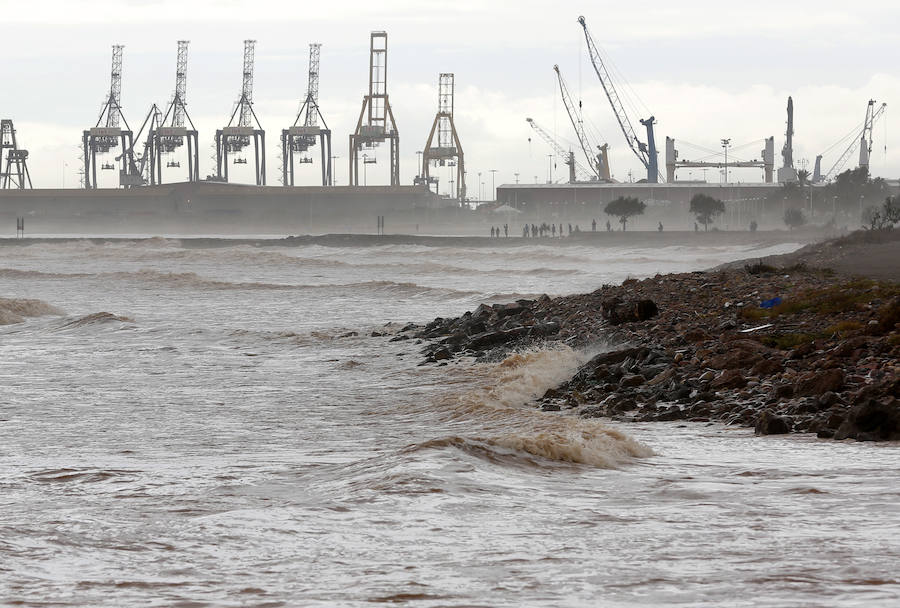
(706, 70)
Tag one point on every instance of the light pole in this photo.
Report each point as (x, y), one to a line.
(480, 198)
(725, 144)
(334, 170)
(517, 177)
(65, 166)
(550, 169)
(494, 183)
(419, 153)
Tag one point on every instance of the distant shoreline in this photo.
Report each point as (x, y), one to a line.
(590, 239)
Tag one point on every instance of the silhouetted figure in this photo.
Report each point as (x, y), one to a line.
(525, 231)
(593, 225)
(696, 227)
(506, 230)
(492, 232)
(608, 226)
(560, 231)
(554, 230)
(660, 227)
(570, 229)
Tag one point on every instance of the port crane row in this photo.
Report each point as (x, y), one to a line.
(144, 157)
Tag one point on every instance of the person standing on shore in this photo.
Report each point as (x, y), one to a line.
(506, 230)
(593, 225)
(608, 226)
(660, 227)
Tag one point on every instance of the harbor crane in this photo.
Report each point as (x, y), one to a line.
(646, 152)
(448, 151)
(236, 135)
(576, 169)
(301, 136)
(598, 161)
(861, 138)
(376, 118)
(13, 159)
(108, 133)
(169, 132)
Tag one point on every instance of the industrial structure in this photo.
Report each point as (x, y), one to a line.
(646, 152)
(13, 159)
(767, 164)
(171, 132)
(576, 169)
(596, 155)
(302, 135)
(108, 133)
(376, 118)
(237, 135)
(860, 135)
(448, 151)
(787, 173)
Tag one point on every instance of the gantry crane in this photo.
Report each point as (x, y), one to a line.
(597, 157)
(568, 157)
(169, 132)
(448, 150)
(301, 136)
(234, 138)
(376, 118)
(108, 133)
(13, 159)
(862, 139)
(646, 152)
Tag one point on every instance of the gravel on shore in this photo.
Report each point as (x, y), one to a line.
(796, 348)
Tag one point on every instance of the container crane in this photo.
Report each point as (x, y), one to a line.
(568, 157)
(599, 162)
(303, 134)
(646, 152)
(233, 138)
(864, 141)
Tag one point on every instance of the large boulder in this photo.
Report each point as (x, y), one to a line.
(872, 420)
(814, 384)
(617, 311)
(769, 424)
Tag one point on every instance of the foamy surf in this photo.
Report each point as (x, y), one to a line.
(501, 407)
(14, 310)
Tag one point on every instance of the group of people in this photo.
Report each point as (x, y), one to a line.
(495, 231)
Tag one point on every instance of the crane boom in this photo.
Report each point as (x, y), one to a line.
(115, 88)
(247, 84)
(646, 153)
(180, 84)
(868, 124)
(561, 152)
(595, 162)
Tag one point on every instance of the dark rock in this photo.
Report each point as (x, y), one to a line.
(766, 367)
(784, 391)
(617, 311)
(872, 420)
(827, 399)
(441, 354)
(819, 383)
(550, 407)
(632, 380)
(731, 378)
(769, 424)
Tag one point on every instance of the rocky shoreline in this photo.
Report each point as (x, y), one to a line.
(781, 349)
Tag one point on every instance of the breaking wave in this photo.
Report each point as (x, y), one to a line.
(14, 310)
(513, 428)
(97, 318)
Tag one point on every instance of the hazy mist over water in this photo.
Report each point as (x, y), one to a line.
(218, 427)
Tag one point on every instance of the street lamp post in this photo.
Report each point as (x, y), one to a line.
(480, 197)
(421, 170)
(517, 177)
(494, 183)
(334, 170)
(725, 144)
(550, 169)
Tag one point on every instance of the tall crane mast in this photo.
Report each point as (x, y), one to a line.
(568, 157)
(448, 151)
(597, 161)
(646, 152)
(233, 138)
(301, 136)
(108, 133)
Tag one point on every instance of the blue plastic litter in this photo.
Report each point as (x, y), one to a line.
(770, 303)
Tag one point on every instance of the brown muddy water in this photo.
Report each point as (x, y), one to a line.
(218, 427)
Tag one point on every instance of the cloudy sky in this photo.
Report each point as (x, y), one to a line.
(706, 69)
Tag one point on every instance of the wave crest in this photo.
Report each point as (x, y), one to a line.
(14, 310)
